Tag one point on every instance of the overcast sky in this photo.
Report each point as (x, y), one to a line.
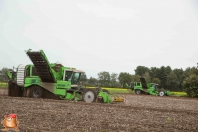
(101, 35)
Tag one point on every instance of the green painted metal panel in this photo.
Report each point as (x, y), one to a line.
(69, 96)
(63, 85)
(60, 92)
(32, 81)
(105, 97)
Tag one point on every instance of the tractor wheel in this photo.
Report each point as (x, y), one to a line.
(137, 91)
(104, 90)
(89, 96)
(161, 93)
(36, 92)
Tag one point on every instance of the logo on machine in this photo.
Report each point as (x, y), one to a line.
(10, 122)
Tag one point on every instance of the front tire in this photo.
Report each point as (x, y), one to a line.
(89, 96)
(161, 93)
(137, 91)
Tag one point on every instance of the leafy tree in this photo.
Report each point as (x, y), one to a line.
(154, 73)
(163, 76)
(168, 70)
(3, 74)
(124, 78)
(113, 80)
(157, 80)
(147, 76)
(180, 75)
(92, 81)
(135, 78)
(172, 81)
(191, 85)
(189, 71)
(104, 78)
(140, 70)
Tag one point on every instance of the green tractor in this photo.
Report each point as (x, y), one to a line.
(148, 88)
(51, 80)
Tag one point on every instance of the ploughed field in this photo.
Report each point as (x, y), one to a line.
(140, 113)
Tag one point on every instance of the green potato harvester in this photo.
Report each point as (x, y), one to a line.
(53, 81)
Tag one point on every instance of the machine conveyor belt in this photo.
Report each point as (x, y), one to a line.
(42, 67)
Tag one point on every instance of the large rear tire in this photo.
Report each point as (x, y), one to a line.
(89, 96)
(36, 92)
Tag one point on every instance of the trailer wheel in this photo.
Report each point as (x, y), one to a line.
(35, 92)
(89, 96)
(161, 93)
(137, 91)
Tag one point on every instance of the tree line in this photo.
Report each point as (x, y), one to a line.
(165, 77)
(3, 74)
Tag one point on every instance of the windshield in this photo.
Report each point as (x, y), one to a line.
(71, 76)
(153, 85)
(76, 77)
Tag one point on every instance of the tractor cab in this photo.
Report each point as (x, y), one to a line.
(73, 76)
(154, 85)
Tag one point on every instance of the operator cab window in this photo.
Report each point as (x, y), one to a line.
(75, 78)
(28, 72)
(34, 73)
(68, 75)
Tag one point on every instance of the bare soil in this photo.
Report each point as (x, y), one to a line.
(140, 113)
(3, 91)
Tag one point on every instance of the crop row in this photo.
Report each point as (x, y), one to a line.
(3, 84)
